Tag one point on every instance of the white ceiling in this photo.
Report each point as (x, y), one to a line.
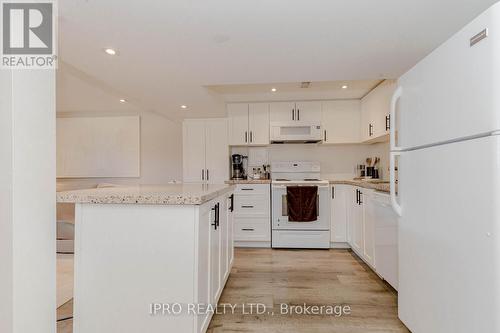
(173, 52)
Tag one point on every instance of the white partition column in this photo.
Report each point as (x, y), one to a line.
(27, 201)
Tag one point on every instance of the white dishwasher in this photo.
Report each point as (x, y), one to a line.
(386, 238)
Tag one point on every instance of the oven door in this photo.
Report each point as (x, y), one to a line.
(280, 214)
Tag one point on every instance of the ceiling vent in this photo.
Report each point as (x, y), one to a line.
(305, 84)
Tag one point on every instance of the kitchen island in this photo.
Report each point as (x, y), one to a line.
(150, 258)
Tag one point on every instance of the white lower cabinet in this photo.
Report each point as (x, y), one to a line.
(215, 253)
(370, 226)
(252, 215)
(338, 219)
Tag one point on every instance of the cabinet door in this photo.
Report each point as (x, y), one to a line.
(193, 156)
(258, 123)
(374, 109)
(238, 123)
(230, 230)
(204, 245)
(215, 254)
(368, 229)
(224, 250)
(282, 111)
(341, 121)
(309, 112)
(356, 223)
(217, 151)
(339, 213)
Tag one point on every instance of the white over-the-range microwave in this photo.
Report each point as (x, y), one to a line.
(295, 132)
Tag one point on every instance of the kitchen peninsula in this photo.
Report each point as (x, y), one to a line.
(143, 245)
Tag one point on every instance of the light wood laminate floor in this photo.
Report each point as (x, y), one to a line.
(295, 277)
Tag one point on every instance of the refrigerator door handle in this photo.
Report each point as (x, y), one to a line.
(392, 183)
(392, 119)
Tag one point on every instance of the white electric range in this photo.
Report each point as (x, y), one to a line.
(286, 234)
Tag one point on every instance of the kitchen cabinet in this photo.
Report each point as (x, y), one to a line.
(304, 111)
(252, 215)
(375, 108)
(341, 121)
(167, 253)
(248, 124)
(368, 229)
(338, 217)
(205, 151)
(356, 217)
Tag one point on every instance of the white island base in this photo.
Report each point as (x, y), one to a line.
(130, 256)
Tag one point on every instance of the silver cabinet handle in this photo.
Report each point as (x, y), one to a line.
(247, 189)
(293, 114)
(251, 136)
(208, 177)
(202, 174)
(298, 114)
(247, 229)
(246, 136)
(246, 206)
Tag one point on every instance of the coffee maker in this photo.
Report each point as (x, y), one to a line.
(238, 166)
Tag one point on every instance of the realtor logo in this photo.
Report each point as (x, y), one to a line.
(28, 34)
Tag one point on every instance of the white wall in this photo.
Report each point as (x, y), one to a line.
(27, 201)
(161, 153)
(337, 161)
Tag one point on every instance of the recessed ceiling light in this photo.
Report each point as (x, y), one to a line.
(344, 87)
(110, 51)
(123, 100)
(184, 106)
(273, 89)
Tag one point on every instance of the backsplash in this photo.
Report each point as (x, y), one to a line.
(337, 161)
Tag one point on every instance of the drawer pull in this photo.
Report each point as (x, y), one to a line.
(247, 229)
(246, 206)
(247, 189)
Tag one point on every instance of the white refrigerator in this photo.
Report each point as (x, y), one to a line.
(445, 126)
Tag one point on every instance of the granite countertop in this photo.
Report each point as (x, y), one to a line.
(377, 186)
(171, 194)
(248, 181)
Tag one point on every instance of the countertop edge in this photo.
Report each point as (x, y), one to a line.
(141, 199)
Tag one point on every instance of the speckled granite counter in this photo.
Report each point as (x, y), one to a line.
(248, 181)
(382, 187)
(172, 194)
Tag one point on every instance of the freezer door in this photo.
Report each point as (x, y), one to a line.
(453, 92)
(449, 238)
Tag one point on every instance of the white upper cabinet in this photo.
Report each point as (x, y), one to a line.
(217, 151)
(193, 142)
(248, 124)
(282, 111)
(258, 123)
(238, 123)
(307, 111)
(375, 108)
(341, 121)
(205, 151)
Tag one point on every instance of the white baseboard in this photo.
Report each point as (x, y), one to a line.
(251, 244)
(339, 245)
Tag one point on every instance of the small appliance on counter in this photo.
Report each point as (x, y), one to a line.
(238, 166)
(369, 170)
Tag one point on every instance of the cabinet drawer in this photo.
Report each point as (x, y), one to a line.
(261, 189)
(252, 229)
(251, 206)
